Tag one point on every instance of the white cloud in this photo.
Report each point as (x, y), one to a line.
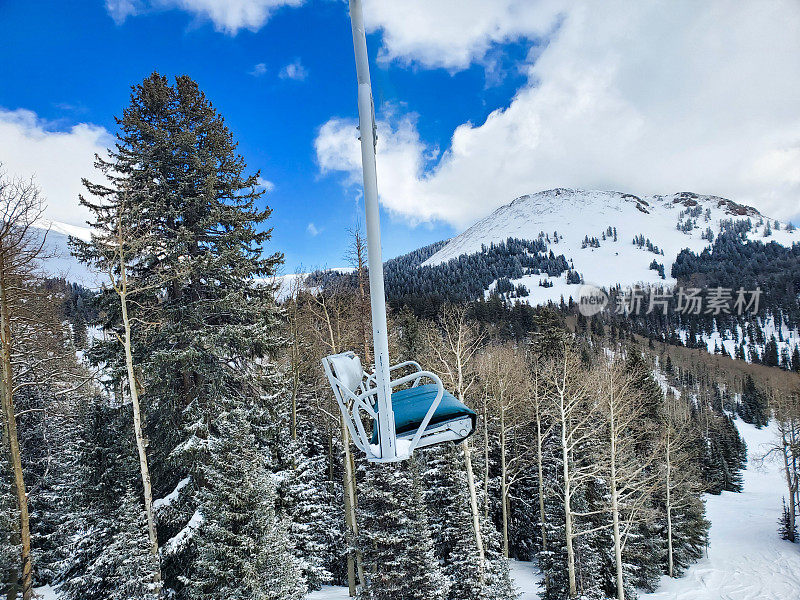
(228, 16)
(57, 159)
(646, 97)
(259, 70)
(454, 33)
(266, 184)
(312, 230)
(122, 9)
(294, 70)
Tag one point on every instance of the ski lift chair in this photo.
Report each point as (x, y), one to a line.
(424, 414)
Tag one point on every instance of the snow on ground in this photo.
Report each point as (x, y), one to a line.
(527, 578)
(525, 574)
(44, 593)
(746, 559)
(329, 592)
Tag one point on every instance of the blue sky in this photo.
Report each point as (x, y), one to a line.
(77, 65)
(478, 102)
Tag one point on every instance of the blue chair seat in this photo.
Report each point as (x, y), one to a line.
(411, 405)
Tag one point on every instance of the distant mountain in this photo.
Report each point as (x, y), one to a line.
(611, 237)
(59, 261)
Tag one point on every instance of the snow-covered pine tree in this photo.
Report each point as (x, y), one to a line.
(54, 452)
(399, 559)
(309, 505)
(9, 540)
(450, 520)
(242, 550)
(128, 557)
(787, 528)
(176, 162)
(498, 584)
(104, 470)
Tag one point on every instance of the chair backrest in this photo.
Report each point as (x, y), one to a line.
(347, 369)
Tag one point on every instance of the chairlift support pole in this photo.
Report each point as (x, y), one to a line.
(366, 118)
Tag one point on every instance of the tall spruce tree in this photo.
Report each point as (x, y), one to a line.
(399, 559)
(450, 519)
(218, 328)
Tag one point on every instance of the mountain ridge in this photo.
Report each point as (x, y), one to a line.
(610, 237)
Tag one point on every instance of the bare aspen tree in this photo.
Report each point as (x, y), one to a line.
(544, 427)
(453, 345)
(677, 479)
(331, 321)
(21, 205)
(786, 410)
(297, 363)
(117, 240)
(503, 369)
(357, 256)
(575, 414)
(627, 472)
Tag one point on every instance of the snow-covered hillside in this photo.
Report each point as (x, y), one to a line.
(59, 262)
(746, 558)
(570, 218)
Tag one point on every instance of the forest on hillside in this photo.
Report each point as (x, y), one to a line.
(173, 435)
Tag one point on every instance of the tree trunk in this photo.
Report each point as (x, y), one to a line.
(670, 558)
(615, 507)
(504, 480)
(485, 458)
(792, 485)
(353, 559)
(573, 588)
(13, 439)
(141, 442)
(540, 472)
(473, 497)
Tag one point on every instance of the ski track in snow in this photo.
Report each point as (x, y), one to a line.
(746, 558)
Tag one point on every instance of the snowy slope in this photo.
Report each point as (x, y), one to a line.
(576, 214)
(59, 261)
(746, 559)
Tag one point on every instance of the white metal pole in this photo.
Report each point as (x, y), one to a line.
(366, 117)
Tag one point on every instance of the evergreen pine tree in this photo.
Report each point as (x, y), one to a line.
(753, 406)
(104, 470)
(9, 545)
(787, 530)
(242, 550)
(128, 557)
(176, 165)
(313, 518)
(447, 499)
(399, 559)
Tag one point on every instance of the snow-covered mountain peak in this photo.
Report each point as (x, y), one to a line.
(613, 237)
